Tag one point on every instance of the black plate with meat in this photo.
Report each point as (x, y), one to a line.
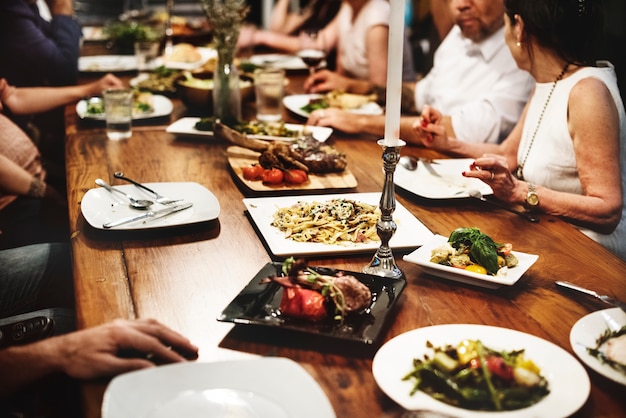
(258, 304)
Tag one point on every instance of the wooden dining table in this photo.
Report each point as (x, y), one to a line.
(184, 277)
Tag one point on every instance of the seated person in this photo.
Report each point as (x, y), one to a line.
(560, 159)
(32, 211)
(474, 82)
(359, 33)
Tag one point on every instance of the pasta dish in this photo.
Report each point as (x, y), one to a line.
(337, 221)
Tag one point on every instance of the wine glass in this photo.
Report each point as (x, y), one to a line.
(312, 49)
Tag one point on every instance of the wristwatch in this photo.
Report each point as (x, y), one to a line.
(532, 198)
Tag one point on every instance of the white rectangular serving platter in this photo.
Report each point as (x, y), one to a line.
(186, 127)
(410, 233)
(422, 255)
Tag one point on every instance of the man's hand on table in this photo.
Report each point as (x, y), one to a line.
(121, 346)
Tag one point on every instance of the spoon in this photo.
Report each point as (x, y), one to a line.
(134, 203)
(409, 162)
(478, 195)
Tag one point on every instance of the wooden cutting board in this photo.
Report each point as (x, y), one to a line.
(239, 157)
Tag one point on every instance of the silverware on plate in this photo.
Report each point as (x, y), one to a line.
(153, 214)
(159, 198)
(134, 203)
(604, 298)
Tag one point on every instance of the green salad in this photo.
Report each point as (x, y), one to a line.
(473, 376)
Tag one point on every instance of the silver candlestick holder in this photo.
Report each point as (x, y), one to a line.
(383, 263)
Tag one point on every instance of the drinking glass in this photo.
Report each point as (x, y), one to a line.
(118, 108)
(312, 49)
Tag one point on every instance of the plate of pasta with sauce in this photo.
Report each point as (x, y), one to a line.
(330, 224)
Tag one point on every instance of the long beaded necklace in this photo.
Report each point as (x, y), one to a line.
(520, 169)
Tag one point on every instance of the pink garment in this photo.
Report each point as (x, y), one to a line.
(16, 146)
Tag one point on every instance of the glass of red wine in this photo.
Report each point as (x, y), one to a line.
(312, 49)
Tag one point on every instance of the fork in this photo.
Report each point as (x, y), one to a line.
(158, 198)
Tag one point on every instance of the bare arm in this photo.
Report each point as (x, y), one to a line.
(596, 145)
(30, 100)
(595, 137)
(283, 21)
(14, 180)
(291, 44)
(377, 41)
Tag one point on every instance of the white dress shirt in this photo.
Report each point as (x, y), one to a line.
(478, 84)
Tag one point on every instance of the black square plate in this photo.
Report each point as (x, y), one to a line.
(257, 304)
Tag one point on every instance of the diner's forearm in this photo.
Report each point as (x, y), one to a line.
(597, 213)
(31, 100)
(276, 40)
(22, 365)
(14, 180)
(373, 125)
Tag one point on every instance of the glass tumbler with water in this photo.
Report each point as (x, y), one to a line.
(269, 85)
(118, 109)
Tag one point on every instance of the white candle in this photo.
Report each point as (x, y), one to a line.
(394, 72)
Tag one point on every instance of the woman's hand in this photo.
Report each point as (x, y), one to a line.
(494, 171)
(336, 118)
(430, 131)
(108, 81)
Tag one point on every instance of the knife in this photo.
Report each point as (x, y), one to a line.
(153, 214)
(604, 298)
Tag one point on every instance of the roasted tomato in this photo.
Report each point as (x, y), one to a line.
(272, 176)
(253, 172)
(497, 366)
(302, 303)
(294, 176)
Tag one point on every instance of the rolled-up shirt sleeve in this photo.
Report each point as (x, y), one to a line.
(491, 117)
(478, 85)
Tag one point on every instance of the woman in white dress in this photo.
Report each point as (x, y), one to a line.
(359, 35)
(567, 154)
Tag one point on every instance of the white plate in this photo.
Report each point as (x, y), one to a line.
(286, 62)
(186, 127)
(295, 103)
(106, 63)
(567, 379)
(588, 329)
(205, 53)
(411, 232)
(421, 256)
(268, 387)
(162, 107)
(441, 179)
(99, 206)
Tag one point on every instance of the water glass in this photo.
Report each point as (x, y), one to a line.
(118, 109)
(146, 53)
(269, 85)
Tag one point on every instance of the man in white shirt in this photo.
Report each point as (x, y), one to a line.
(474, 82)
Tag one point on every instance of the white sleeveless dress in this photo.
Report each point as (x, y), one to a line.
(552, 162)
